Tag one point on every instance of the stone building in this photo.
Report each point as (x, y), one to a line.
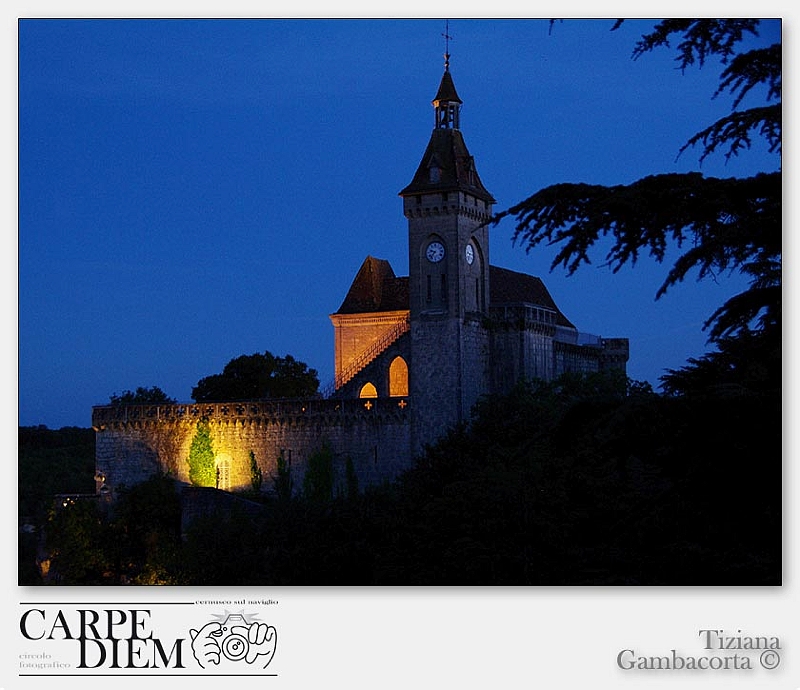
(412, 354)
(457, 327)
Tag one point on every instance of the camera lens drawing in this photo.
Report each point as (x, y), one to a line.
(235, 640)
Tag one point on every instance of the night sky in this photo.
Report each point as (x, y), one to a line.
(195, 190)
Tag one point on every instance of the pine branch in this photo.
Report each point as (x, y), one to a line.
(734, 131)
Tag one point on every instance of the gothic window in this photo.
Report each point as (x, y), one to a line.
(223, 462)
(398, 377)
(435, 173)
(368, 390)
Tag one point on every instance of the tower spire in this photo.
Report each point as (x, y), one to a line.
(446, 103)
(447, 39)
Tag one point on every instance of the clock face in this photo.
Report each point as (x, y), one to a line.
(435, 252)
(469, 254)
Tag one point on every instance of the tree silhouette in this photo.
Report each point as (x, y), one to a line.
(719, 224)
(257, 376)
(141, 396)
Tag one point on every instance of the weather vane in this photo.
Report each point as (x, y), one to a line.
(447, 39)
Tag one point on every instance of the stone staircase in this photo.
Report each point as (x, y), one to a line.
(369, 355)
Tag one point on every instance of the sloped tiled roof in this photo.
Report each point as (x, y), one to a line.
(375, 288)
(458, 173)
(508, 287)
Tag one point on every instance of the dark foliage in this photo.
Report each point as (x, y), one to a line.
(256, 476)
(720, 225)
(136, 542)
(257, 376)
(142, 396)
(147, 525)
(573, 482)
(587, 480)
(81, 545)
(52, 462)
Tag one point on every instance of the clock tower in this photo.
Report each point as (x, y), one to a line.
(448, 209)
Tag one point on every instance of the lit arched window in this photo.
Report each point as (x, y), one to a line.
(368, 391)
(398, 377)
(223, 462)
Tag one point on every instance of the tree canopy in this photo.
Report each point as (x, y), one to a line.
(141, 396)
(719, 225)
(258, 376)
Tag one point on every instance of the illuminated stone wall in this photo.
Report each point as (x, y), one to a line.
(356, 334)
(378, 371)
(137, 441)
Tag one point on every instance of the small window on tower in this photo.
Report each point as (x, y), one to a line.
(435, 174)
(444, 287)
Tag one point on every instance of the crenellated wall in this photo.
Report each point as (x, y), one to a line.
(134, 442)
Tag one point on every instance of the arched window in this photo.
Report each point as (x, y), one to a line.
(368, 391)
(223, 462)
(398, 377)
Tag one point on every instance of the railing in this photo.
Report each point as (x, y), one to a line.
(369, 355)
(264, 409)
(522, 312)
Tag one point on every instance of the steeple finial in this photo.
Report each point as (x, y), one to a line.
(447, 39)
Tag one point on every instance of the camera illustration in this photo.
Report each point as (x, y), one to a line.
(232, 638)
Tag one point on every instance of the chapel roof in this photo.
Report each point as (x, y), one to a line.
(375, 288)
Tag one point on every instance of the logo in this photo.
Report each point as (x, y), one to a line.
(235, 639)
(133, 641)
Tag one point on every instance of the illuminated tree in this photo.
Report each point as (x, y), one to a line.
(202, 468)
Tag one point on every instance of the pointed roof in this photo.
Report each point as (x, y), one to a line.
(447, 165)
(447, 90)
(447, 151)
(508, 287)
(375, 288)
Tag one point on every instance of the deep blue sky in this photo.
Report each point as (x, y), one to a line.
(190, 191)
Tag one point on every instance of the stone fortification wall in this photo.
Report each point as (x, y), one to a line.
(522, 338)
(135, 442)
